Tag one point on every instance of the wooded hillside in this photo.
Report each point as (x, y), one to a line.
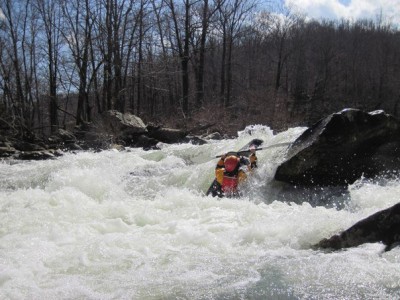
(188, 62)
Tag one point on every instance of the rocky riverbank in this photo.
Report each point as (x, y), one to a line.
(111, 130)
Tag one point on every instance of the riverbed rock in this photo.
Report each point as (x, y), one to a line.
(194, 140)
(62, 136)
(63, 139)
(166, 135)
(109, 128)
(146, 142)
(214, 136)
(105, 131)
(27, 147)
(343, 147)
(90, 137)
(383, 226)
(38, 155)
(7, 151)
(121, 124)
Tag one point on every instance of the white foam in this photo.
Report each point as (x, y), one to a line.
(137, 225)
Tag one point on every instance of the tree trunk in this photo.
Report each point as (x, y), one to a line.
(202, 50)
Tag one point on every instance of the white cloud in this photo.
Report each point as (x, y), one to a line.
(352, 9)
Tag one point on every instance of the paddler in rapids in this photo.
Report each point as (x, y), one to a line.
(231, 171)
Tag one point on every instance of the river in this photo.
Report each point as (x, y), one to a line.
(136, 225)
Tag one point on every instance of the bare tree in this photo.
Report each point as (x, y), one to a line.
(120, 28)
(77, 34)
(143, 27)
(205, 12)
(17, 100)
(164, 32)
(19, 64)
(182, 18)
(51, 17)
(232, 16)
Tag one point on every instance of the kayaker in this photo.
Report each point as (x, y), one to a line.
(231, 171)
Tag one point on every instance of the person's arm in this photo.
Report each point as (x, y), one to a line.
(218, 167)
(242, 176)
(220, 163)
(253, 161)
(219, 175)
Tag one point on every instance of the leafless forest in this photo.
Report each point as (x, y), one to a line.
(187, 63)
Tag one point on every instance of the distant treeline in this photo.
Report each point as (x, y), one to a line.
(62, 62)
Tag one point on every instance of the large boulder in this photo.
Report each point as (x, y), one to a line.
(122, 125)
(382, 226)
(341, 148)
(109, 128)
(166, 135)
(130, 130)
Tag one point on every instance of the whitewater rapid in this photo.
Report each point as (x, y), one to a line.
(137, 225)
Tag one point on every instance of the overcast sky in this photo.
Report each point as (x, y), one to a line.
(348, 9)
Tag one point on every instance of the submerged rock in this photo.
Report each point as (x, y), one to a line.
(383, 226)
(341, 148)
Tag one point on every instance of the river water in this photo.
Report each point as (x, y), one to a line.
(137, 225)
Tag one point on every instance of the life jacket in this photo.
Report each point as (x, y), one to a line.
(230, 175)
(230, 183)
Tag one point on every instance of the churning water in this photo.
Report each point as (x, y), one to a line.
(137, 225)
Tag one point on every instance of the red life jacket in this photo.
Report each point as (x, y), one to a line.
(229, 184)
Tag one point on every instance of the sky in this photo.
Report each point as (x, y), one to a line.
(342, 9)
(347, 9)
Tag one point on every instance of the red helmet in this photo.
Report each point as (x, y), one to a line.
(231, 163)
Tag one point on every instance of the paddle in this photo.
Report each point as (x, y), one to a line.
(243, 152)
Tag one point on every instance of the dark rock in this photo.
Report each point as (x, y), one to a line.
(195, 140)
(146, 142)
(91, 140)
(62, 136)
(25, 146)
(214, 136)
(343, 147)
(35, 155)
(80, 131)
(383, 226)
(153, 127)
(63, 139)
(72, 147)
(166, 135)
(337, 197)
(90, 137)
(7, 151)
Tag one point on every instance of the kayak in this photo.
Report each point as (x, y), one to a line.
(216, 189)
